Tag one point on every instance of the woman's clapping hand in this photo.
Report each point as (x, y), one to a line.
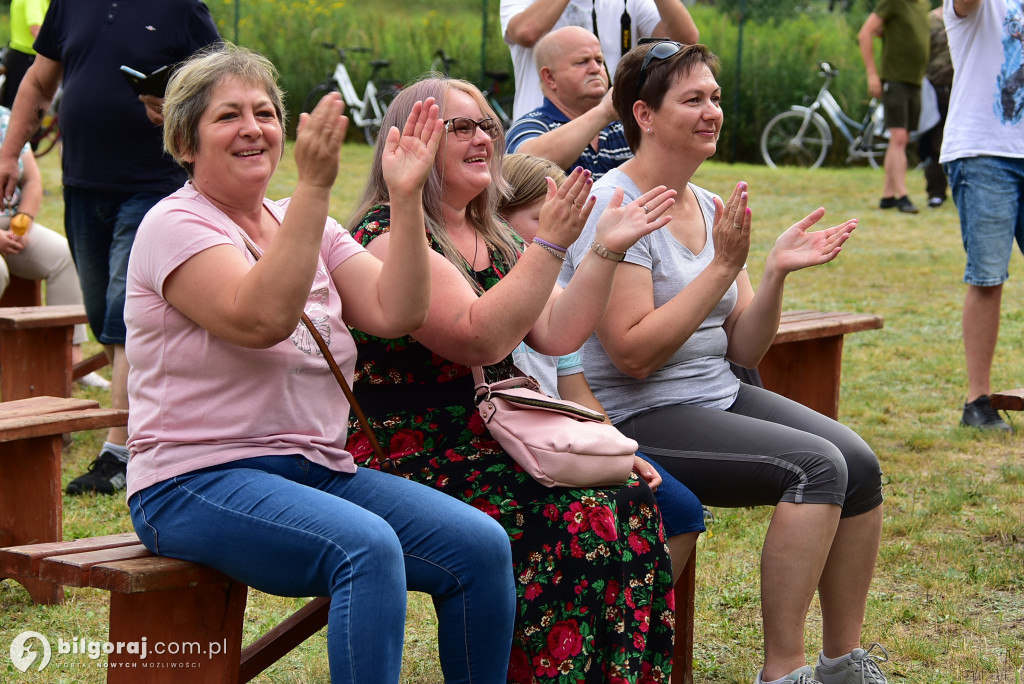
(566, 208)
(408, 155)
(620, 226)
(318, 141)
(799, 248)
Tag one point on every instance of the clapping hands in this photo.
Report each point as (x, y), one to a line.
(798, 248)
(408, 155)
(621, 226)
(318, 141)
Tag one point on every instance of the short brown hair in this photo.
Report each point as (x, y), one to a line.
(191, 88)
(661, 74)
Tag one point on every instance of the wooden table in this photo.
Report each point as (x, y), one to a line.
(31, 440)
(805, 361)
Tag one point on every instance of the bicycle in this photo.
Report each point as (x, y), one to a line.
(366, 112)
(501, 104)
(802, 137)
(47, 135)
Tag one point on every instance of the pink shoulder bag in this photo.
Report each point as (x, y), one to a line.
(558, 442)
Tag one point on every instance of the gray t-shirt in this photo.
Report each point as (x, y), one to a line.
(697, 373)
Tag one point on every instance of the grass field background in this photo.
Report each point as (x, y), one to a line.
(947, 601)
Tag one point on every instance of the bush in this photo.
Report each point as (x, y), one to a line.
(777, 64)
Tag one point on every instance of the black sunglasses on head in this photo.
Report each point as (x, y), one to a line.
(662, 50)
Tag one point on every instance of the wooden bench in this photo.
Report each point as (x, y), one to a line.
(22, 292)
(166, 601)
(1007, 400)
(804, 362)
(31, 503)
(35, 351)
(685, 594)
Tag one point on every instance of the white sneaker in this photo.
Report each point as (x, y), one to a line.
(860, 668)
(802, 675)
(94, 379)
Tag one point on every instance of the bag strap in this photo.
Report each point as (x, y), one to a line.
(325, 350)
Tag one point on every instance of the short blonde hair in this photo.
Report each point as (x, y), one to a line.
(191, 88)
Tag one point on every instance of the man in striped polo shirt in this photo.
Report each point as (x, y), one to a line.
(576, 125)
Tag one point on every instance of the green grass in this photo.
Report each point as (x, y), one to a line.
(948, 596)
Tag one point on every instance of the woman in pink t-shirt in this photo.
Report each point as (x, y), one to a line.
(237, 427)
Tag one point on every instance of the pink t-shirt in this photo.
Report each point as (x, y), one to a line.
(198, 401)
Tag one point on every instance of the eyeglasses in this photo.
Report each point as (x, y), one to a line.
(464, 128)
(662, 50)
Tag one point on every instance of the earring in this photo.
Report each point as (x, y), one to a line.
(648, 130)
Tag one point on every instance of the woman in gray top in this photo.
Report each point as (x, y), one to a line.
(681, 308)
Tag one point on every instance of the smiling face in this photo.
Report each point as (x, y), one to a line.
(464, 163)
(691, 112)
(240, 140)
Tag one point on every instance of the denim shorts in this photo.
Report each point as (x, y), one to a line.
(101, 227)
(989, 194)
(902, 105)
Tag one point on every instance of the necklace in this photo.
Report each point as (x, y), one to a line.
(476, 250)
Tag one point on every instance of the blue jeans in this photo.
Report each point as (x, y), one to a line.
(101, 227)
(989, 195)
(288, 527)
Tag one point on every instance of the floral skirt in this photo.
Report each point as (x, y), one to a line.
(593, 575)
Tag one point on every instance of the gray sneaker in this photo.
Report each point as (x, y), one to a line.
(803, 675)
(861, 668)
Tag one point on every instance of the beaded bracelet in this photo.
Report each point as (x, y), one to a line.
(545, 243)
(603, 251)
(558, 255)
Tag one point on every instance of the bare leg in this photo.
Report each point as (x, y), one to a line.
(679, 548)
(896, 163)
(795, 550)
(843, 589)
(981, 331)
(118, 389)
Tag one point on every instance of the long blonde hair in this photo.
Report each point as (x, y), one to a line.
(482, 209)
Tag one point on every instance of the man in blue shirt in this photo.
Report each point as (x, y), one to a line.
(576, 125)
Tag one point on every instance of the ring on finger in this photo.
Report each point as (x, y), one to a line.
(738, 226)
(646, 209)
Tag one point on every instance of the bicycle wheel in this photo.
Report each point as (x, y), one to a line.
(385, 95)
(45, 139)
(504, 110)
(783, 143)
(316, 94)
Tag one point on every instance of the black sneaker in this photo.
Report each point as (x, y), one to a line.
(936, 202)
(887, 203)
(106, 475)
(980, 414)
(905, 205)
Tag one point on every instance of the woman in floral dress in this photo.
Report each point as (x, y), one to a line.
(592, 573)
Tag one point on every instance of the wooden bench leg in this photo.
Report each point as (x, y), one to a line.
(806, 371)
(36, 362)
(682, 652)
(198, 628)
(30, 502)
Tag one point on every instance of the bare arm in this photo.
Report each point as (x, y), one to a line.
(568, 322)
(965, 8)
(676, 22)
(871, 29)
(755, 320)
(392, 298)
(527, 27)
(639, 337)
(565, 144)
(34, 94)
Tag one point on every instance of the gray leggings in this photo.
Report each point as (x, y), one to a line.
(762, 450)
